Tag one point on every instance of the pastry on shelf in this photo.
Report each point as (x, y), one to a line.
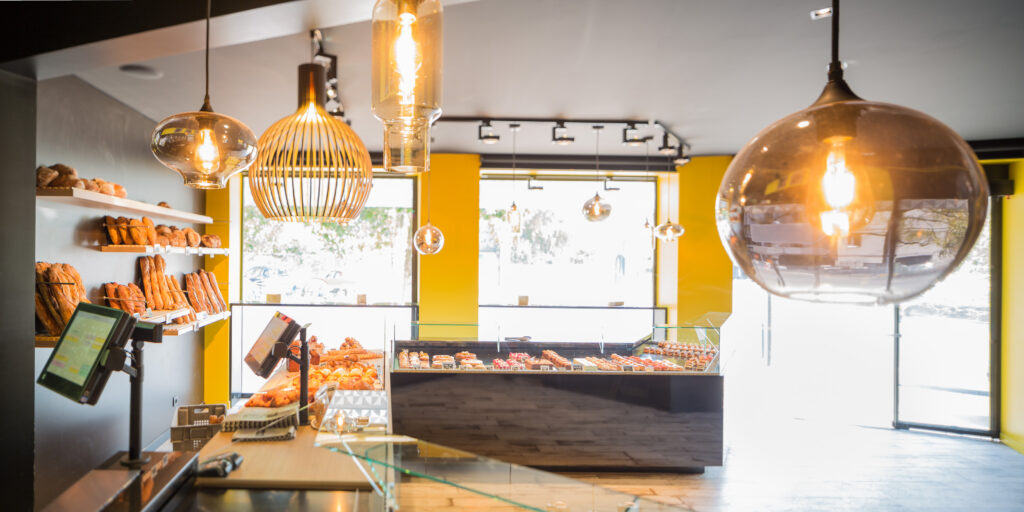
(211, 241)
(67, 177)
(45, 175)
(59, 289)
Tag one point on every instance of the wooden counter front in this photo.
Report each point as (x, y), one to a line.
(295, 464)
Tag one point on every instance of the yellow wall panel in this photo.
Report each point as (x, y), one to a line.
(449, 280)
(220, 204)
(704, 272)
(1013, 314)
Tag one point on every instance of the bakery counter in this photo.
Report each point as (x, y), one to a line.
(562, 419)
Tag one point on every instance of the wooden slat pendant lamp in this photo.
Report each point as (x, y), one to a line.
(311, 165)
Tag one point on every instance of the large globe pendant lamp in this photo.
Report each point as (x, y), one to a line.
(312, 166)
(204, 147)
(851, 200)
(406, 76)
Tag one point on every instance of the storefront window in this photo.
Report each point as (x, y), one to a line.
(559, 258)
(324, 263)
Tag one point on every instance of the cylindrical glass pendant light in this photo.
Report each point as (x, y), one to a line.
(312, 166)
(428, 239)
(596, 208)
(406, 75)
(851, 200)
(514, 217)
(204, 147)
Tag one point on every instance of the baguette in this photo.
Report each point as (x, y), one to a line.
(195, 294)
(138, 232)
(51, 325)
(122, 230)
(112, 231)
(152, 295)
(150, 230)
(110, 293)
(216, 290)
(140, 298)
(160, 269)
(204, 282)
(44, 294)
(77, 278)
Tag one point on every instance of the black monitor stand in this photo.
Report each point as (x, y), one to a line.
(119, 359)
(282, 349)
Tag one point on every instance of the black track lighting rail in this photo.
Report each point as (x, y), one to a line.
(633, 123)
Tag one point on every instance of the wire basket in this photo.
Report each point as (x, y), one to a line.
(192, 428)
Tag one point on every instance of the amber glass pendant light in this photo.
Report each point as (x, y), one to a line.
(514, 217)
(406, 70)
(596, 208)
(851, 200)
(668, 231)
(204, 147)
(428, 239)
(312, 166)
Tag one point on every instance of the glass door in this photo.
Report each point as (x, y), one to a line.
(944, 347)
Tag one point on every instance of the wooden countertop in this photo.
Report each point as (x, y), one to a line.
(294, 464)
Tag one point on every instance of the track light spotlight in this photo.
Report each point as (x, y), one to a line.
(560, 135)
(681, 157)
(666, 148)
(630, 137)
(485, 133)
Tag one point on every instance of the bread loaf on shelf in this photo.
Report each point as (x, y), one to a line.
(59, 289)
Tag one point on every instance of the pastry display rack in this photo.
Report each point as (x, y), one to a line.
(161, 249)
(201, 321)
(86, 198)
(156, 317)
(569, 358)
(409, 473)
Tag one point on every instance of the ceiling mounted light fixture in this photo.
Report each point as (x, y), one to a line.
(406, 76)
(851, 200)
(485, 133)
(681, 158)
(514, 217)
(204, 147)
(428, 239)
(560, 135)
(666, 148)
(312, 166)
(597, 209)
(631, 136)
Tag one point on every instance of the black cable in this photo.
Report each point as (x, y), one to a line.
(835, 33)
(206, 99)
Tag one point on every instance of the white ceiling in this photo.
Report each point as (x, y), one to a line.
(715, 72)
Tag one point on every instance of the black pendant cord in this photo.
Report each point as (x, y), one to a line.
(597, 151)
(835, 67)
(515, 128)
(206, 99)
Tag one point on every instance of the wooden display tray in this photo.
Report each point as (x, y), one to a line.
(90, 199)
(161, 249)
(178, 330)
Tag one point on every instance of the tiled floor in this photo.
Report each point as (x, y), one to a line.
(802, 465)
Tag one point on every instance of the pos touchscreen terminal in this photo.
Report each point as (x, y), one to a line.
(76, 368)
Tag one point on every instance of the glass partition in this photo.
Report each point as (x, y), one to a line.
(372, 326)
(411, 474)
(569, 324)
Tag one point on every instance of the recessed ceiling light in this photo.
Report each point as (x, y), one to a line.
(141, 71)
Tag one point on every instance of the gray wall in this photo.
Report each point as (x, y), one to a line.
(17, 208)
(80, 126)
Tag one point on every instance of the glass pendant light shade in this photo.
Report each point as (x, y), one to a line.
(596, 209)
(514, 218)
(206, 148)
(668, 231)
(852, 201)
(428, 239)
(406, 76)
(312, 166)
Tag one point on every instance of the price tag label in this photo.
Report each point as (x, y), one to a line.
(627, 368)
(576, 367)
(448, 365)
(545, 367)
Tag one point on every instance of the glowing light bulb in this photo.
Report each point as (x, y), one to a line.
(668, 231)
(839, 186)
(207, 152)
(596, 209)
(428, 239)
(407, 59)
